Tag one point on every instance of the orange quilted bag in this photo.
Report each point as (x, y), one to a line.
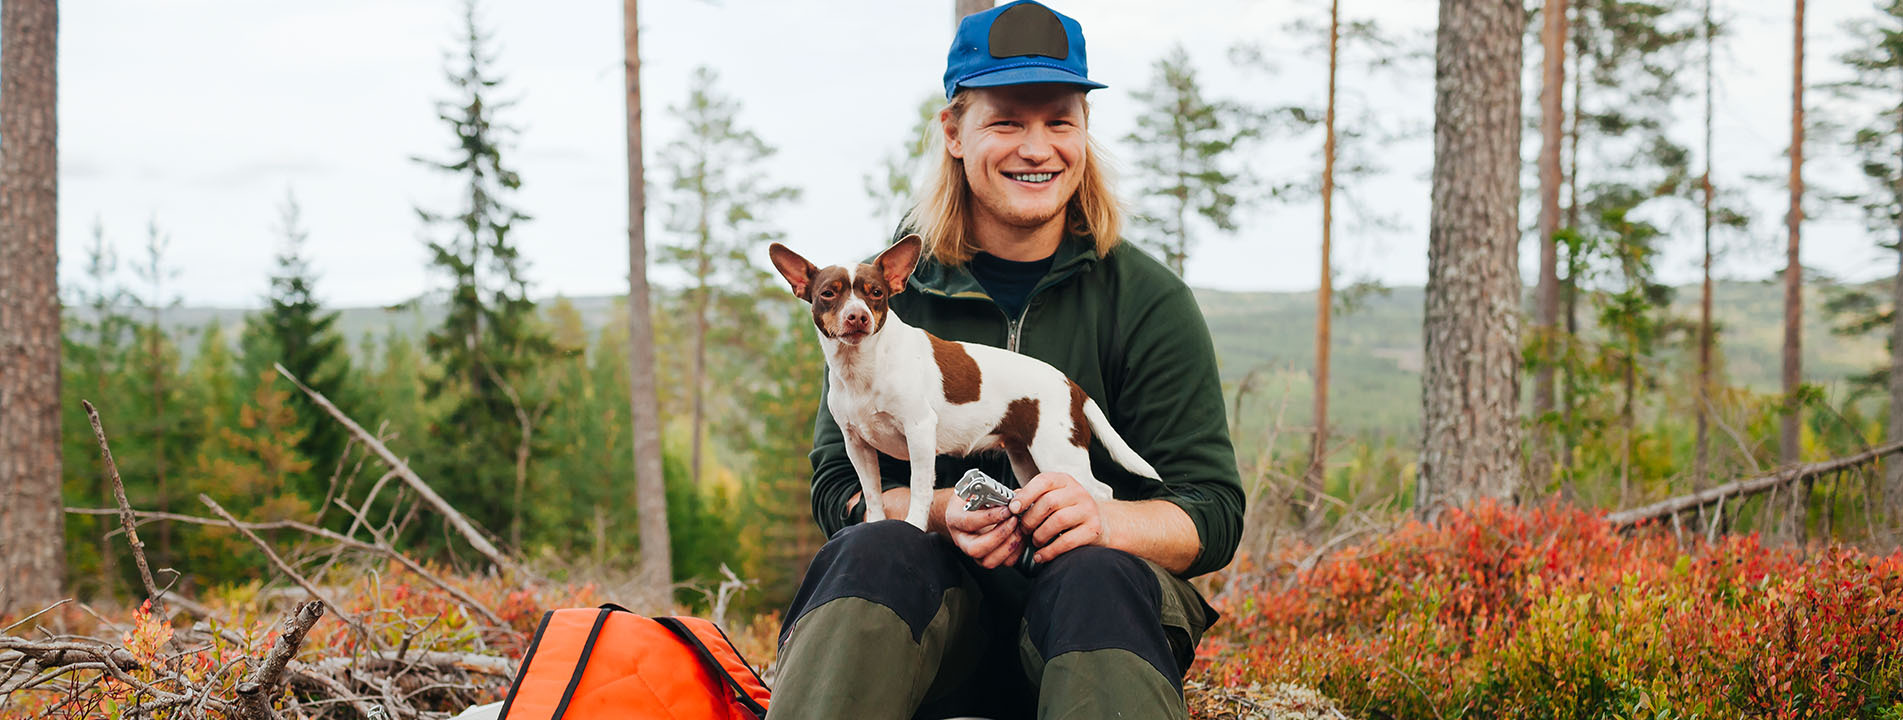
(607, 662)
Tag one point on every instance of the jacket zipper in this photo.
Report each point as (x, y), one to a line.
(1013, 328)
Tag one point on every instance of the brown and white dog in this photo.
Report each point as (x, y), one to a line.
(899, 390)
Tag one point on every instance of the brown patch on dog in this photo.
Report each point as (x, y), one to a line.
(869, 285)
(962, 378)
(1019, 423)
(1079, 425)
(826, 309)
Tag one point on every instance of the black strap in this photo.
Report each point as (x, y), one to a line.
(581, 664)
(523, 671)
(740, 695)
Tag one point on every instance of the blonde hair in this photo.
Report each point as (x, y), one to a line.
(942, 215)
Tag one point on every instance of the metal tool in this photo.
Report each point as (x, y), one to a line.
(980, 491)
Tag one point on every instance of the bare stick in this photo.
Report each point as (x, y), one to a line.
(255, 693)
(417, 568)
(436, 502)
(1748, 486)
(125, 511)
(281, 565)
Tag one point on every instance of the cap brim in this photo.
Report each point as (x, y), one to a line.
(1030, 76)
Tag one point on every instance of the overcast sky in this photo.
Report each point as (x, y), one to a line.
(203, 114)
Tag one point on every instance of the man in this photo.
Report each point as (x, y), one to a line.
(1022, 252)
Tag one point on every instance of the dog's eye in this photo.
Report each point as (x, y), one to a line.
(827, 294)
(876, 293)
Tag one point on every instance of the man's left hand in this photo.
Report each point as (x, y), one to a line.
(1059, 514)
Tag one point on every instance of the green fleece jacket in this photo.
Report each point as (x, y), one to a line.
(1128, 331)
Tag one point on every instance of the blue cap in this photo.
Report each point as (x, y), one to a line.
(1017, 44)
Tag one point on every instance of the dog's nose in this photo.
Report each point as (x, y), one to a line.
(858, 320)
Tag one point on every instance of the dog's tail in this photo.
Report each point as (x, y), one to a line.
(1119, 450)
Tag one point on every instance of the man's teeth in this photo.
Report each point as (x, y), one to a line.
(1032, 177)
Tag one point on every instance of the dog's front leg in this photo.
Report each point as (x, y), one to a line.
(865, 461)
(921, 443)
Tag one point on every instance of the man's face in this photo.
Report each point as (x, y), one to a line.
(1024, 151)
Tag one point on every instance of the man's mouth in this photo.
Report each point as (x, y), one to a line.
(1034, 178)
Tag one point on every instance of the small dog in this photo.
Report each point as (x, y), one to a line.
(900, 390)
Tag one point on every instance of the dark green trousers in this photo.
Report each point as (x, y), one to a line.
(893, 622)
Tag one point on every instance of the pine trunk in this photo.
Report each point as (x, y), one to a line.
(1570, 287)
(32, 554)
(650, 486)
(1552, 136)
(961, 8)
(1701, 463)
(1315, 478)
(1893, 470)
(1788, 449)
(1470, 383)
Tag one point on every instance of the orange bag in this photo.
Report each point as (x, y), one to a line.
(588, 663)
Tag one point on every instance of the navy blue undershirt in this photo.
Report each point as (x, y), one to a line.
(1008, 282)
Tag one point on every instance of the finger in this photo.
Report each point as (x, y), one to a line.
(975, 522)
(1006, 554)
(1080, 536)
(1036, 514)
(1035, 489)
(981, 545)
(1059, 522)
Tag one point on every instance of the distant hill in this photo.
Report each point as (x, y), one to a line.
(1377, 348)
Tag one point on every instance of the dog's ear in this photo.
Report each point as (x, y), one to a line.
(797, 271)
(897, 262)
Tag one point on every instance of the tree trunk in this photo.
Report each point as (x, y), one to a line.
(1794, 283)
(1701, 463)
(1315, 477)
(650, 486)
(1552, 136)
(701, 300)
(32, 551)
(1573, 265)
(1470, 384)
(1893, 469)
(961, 8)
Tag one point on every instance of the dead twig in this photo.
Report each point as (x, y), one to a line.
(255, 693)
(455, 518)
(125, 511)
(282, 566)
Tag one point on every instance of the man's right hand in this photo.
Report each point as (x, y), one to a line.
(989, 536)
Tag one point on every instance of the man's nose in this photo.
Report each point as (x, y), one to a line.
(1036, 146)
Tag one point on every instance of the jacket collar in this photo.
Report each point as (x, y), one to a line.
(1074, 255)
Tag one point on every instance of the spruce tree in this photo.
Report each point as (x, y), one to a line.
(718, 211)
(489, 337)
(1185, 147)
(296, 332)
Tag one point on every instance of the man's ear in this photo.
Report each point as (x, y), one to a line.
(896, 263)
(797, 271)
(953, 146)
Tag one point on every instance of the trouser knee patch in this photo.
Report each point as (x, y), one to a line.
(890, 563)
(1094, 598)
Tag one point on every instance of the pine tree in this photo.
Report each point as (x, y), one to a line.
(1470, 379)
(96, 343)
(890, 190)
(1789, 450)
(32, 565)
(489, 337)
(720, 203)
(161, 441)
(296, 332)
(1185, 150)
(644, 402)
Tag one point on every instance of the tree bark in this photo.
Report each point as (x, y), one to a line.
(1788, 448)
(1701, 462)
(961, 8)
(650, 494)
(1470, 384)
(1552, 137)
(1893, 471)
(32, 554)
(1315, 477)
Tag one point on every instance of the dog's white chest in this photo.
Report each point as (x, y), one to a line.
(882, 430)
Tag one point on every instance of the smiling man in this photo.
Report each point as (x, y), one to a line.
(1058, 605)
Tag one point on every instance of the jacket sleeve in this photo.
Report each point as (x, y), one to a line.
(1170, 399)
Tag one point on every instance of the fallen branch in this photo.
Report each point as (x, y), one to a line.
(267, 681)
(284, 567)
(1749, 486)
(125, 511)
(436, 502)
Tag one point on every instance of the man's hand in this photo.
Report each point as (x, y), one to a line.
(1059, 514)
(991, 536)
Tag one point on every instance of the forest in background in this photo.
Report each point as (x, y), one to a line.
(516, 410)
